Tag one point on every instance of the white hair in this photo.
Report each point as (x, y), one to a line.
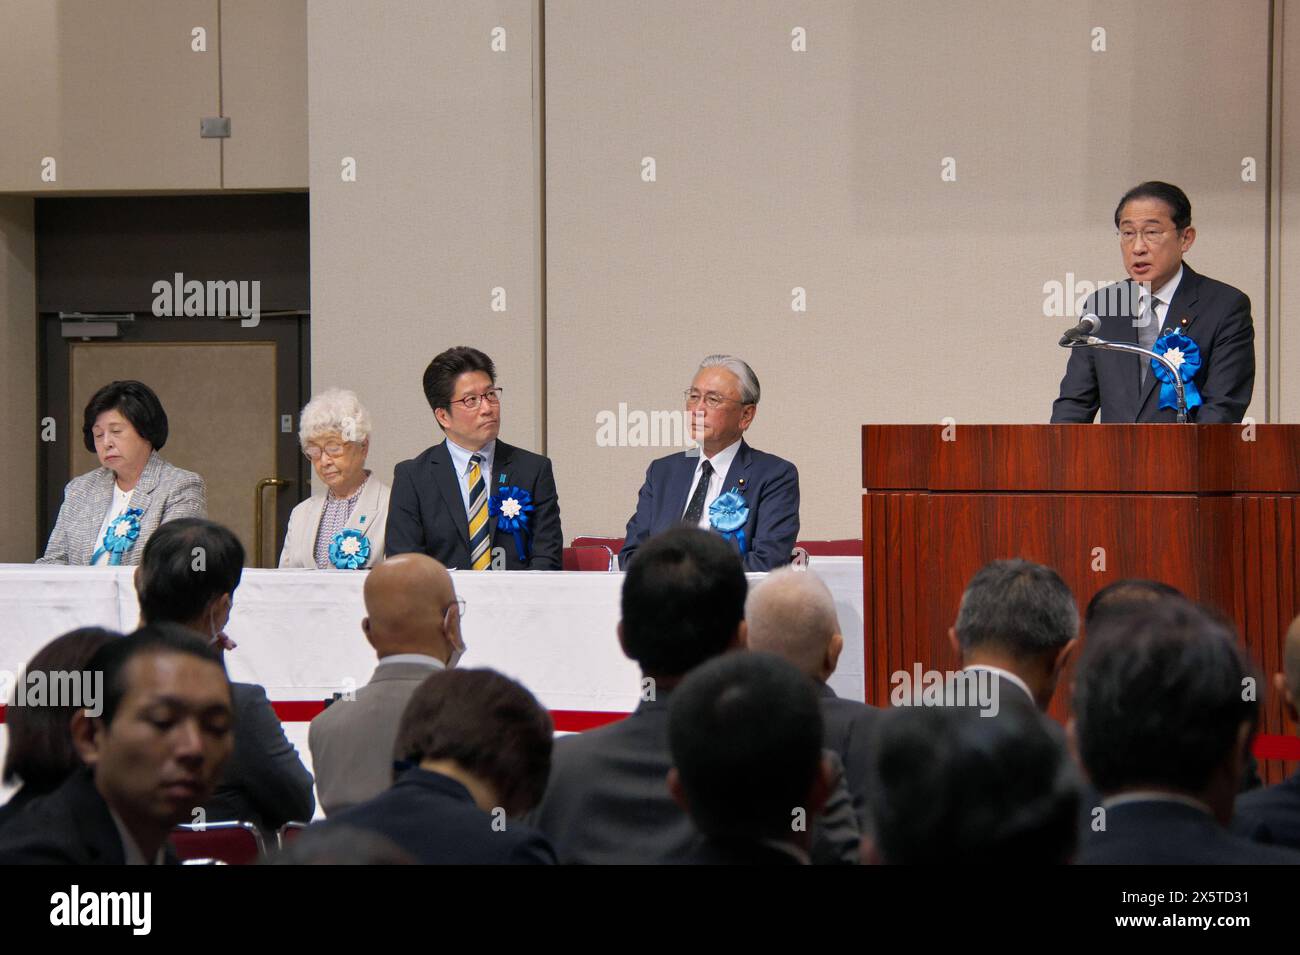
(791, 613)
(749, 390)
(334, 411)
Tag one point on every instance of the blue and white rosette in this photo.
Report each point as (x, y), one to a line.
(122, 533)
(1186, 356)
(512, 507)
(349, 549)
(728, 516)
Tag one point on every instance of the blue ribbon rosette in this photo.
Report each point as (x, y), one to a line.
(123, 531)
(1186, 356)
(349, 549)
(511, 506)
(728, 516)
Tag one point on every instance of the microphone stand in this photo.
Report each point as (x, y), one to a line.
(1092, 341)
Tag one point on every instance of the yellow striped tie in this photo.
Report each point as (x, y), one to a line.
(479, 557)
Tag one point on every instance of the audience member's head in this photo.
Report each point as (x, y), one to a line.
(745, 731)
(1162, 702)
(791, 613)
(165, 731)
(1287, 683)
(188, 575)
(411, 607)
(340, 844)
(40, 751)
(1018, 616)
(1123, 596)
(683, 602)
(949, 785)
(485, 731)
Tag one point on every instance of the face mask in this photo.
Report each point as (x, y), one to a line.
(456, 654)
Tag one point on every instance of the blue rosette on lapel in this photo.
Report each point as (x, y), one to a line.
(122, 533)
(728, 516)
(513, 508)
(1186, 356)
(349, 549)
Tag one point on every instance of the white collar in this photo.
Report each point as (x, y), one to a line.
(721, 462)
(1154, 795)
(1006, 675)
(421, 658)
(460, 456)
(1165, 294)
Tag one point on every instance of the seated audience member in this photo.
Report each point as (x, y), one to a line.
(341, 528)
(413, 622)
(1124, 596)
(109, 513)
(1017, 621)
(152, 754)
(40, 753)
(951, 786)
(1162, 728)
(683, 603)
(265, 782)
(745, 732)
(340, 845)
(792, 614)
(1273, 814)
(479, 748)
(749, 497)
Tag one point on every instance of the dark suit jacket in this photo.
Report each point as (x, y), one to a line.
(18, 802)
(1217, 319)
(849, 726)
(708, 851)
(769, 485)
(1271, 815)
(265, 782)
(1171, 833)
(70, 826)
(434, 818)
(426, 513)
(607, 801)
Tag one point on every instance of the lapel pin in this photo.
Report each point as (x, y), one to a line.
(741, 482)
(362, 519)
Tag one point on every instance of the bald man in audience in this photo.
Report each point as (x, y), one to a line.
(1272, 815)
(792, 614)
(413, 622)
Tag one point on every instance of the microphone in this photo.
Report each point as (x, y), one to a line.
(1087, 326)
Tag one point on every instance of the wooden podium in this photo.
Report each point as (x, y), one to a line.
(1211, 509)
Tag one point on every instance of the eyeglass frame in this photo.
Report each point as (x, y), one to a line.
(459, 604)
(307, 451)
(1146, 235)
(477, 399)
(715, 404)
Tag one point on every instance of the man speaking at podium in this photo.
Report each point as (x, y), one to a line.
(1162, 298)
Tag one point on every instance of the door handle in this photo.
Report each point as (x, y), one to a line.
(258, 534)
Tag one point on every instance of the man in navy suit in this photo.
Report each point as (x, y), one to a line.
(474, 502)
(1163, 295)
(749, 497)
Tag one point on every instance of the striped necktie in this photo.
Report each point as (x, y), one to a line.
(479, 558)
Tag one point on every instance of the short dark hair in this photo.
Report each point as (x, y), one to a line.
(683, 598)
(1124, 596)
(138, 404)
(1018, 606)
(1180, 207)
(40, 751)
(440, 377)
(1158, 698)
(336, 843)
(489, 725)
(950, 785)
(745, 731)
(174, 586)
(113, 658)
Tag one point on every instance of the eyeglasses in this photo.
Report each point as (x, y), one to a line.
(712, 399)
(333, 450)
(1149, 236)
(492, 396)
(459, 604)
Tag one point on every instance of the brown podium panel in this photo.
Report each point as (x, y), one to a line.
(1194, 506)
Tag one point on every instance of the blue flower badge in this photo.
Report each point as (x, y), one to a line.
(349, 550)
(728, 516)
(122, 533)
(1186, 357)
(512, 507)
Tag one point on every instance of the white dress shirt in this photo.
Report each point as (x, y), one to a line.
(721, 463)
(1163, 296)
(121, 501)
(460, 460)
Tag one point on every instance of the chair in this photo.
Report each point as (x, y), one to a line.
(289, 832)
(615, 544)
(589, 557)
(234, 843)
(837, 548)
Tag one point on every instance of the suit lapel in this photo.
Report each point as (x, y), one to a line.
(1179, 317)
(679, 484)
(501, 459)
(142, 497)
(737, 474)
(448, 482)
(363, 515)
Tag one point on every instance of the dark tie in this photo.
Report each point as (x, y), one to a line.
(695, 509)
(1147, 335)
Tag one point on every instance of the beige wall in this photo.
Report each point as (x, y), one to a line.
(821, 170)
(1286, 344)
(443, 210)
(18, 377)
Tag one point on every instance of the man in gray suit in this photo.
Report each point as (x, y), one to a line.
(413, 622)
(792, 614)
(608, 800)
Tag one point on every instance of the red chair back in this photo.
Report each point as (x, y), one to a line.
(234, 843)
(589, 557)
(615, 544)
(840, 548)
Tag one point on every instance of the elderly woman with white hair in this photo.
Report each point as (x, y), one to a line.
(342, 528)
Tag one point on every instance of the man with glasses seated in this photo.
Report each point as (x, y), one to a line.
(1162, 297)
(473, 502)
(748, 497)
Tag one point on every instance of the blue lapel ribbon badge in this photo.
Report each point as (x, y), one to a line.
(349, 549)
(123, 531)
(728, 516)
(512, 507)
(1186, 356)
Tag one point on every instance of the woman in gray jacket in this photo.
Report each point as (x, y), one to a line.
(109, 513)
